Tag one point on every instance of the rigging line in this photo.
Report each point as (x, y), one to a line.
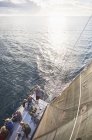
(82, 30)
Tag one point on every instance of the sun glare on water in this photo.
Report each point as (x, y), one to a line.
(56, 32)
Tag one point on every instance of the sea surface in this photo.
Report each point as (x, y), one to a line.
(48, 51)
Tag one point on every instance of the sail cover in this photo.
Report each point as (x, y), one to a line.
(69, 116)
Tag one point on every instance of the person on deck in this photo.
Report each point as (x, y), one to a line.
(9, 125)
(17, 116)
(30, 100)
(25, 128)
(39, 93)
(3, 133)
(24, 103)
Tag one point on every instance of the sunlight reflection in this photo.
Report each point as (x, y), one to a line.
(57, 27)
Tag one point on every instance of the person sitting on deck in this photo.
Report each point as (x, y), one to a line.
(30, 100)
(9, 125)
(34, 109)
(25, 128)
(3, 133)
(17, 117)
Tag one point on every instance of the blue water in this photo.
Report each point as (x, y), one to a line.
(40, 50)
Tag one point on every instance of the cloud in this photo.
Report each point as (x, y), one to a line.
(22, 7)
(20, 4)
(6, 4)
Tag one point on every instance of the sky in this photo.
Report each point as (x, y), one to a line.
(46, 7)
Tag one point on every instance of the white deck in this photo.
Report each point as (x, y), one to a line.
(27, 119)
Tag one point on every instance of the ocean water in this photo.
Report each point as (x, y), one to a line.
(40, 50)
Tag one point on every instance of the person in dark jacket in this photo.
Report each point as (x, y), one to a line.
(9, 125)
(17, 116)
(26, 128)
